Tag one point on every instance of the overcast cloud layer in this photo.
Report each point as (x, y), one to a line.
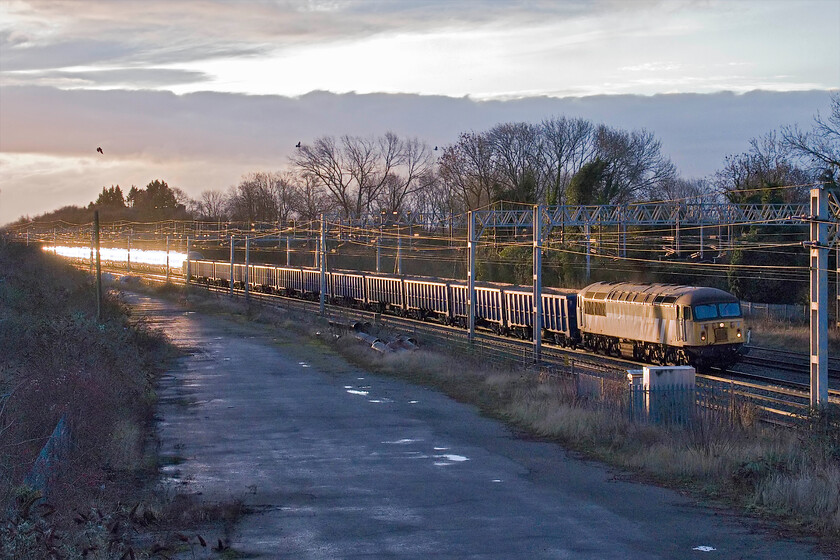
(209, 140)
(481, 48)
(199, 92)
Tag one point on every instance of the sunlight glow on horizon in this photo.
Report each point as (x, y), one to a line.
(113, 254)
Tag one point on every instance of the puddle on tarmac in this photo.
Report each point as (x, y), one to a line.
(449, 459)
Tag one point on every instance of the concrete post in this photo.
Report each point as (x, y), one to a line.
(536, 324)
(288, 251)
(818, 245)
(128, 257)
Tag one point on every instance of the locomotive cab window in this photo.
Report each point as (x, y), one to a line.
(709, 311)
(728, 310)
(705, 312)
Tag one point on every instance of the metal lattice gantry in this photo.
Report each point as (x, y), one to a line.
(648, 214)
(540, 220)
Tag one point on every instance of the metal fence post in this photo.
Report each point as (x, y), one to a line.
(536, 324)
(247, 268)
(231, 265)
(471, 276)
(167, 259)
(323, 264)
(98, 266)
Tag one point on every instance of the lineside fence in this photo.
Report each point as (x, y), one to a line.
(777, 311)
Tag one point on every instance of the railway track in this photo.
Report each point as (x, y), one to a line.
(777, 396)
(786, 360)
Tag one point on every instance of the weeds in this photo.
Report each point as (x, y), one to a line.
(57, 360)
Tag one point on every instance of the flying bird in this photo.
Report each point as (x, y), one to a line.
(297, 145)
(100, 151)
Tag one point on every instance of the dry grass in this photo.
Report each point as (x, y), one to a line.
(57, 360)
(786, 335)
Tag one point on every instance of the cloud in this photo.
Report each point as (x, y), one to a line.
(209, 140)
(152, 78)
(482, 48)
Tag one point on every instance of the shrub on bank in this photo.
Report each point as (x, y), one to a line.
(57, 360)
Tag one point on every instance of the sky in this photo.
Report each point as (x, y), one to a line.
(199, 93)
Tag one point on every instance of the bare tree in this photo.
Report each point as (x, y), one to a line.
(210, 205)
(412, 173)
(309, 200)
(516, 155)
(361, 175)
(251, 200)
(467, 168)
(766, 173)
(324, 163)
(690, 191)
(822, 144)
(283, 190)
(566, 145)
(635, 165)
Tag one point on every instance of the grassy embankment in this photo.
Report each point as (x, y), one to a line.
(788, 475)
(57, 360)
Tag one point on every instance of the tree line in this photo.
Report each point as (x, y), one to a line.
(559, 160)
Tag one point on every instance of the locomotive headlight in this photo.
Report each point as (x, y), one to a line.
(721, 325)
(702, 335)
(738, 334)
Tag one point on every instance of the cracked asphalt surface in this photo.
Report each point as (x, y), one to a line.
(335, 462)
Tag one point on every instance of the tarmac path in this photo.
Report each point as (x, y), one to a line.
(335, 462)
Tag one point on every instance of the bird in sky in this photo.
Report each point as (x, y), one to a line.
(100, 151)
(297, 145)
